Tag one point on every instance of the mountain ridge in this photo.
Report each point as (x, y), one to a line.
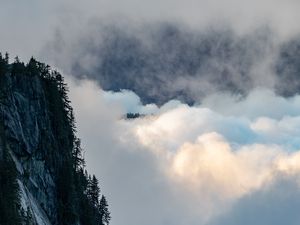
(39, 143)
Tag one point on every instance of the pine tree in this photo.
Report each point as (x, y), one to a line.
(17, 67)
(3, 65)
(32, 67)
(6, 58)
(9, 188)
(78, 155)
(93, 191)
(9, 193)
(103, 211)
(17, 60)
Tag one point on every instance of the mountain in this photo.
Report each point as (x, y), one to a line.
(43, 180)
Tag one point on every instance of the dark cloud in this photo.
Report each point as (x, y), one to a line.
(287, 67)
(165, 61)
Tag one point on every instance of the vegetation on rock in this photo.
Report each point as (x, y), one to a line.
(78, 195)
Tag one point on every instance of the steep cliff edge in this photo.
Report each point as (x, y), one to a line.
(38, 138)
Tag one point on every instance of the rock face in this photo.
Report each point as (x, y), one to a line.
(43, 180)
(28, 131)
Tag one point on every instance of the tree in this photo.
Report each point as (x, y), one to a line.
(78, 155)
(3, 65)
(32, 67)
(9, 188)
(103, 211)
(93, 191)
(17, 67)
(17, 60)
(6, 58)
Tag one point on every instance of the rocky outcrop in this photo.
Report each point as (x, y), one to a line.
(28, 132)
(42, 169)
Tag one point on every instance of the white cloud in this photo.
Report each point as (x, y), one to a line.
(129, 101)
(259, 103)
(190, 165)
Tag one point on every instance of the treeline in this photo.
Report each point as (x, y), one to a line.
(78, 194)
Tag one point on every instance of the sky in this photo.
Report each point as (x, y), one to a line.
(203, 153)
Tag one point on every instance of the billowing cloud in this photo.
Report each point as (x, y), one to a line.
(192, 164)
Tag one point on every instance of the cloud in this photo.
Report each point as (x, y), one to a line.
(211, 166)
(27, 27)
(129, 175)
(165, 61)
(201, 46)
(275, 204)
(260, 102)
(244, 15)
(162, 61)
(191, 164)
(129, 101)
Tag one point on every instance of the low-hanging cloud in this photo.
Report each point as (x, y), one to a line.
(162, 50)
(192, 164)
(165, 61)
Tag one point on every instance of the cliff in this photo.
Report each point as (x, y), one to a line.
(41, 153)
